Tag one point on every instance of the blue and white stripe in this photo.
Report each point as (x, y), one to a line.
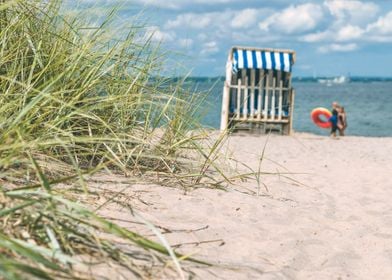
(252, 59)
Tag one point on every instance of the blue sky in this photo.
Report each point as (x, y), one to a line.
(331, 37)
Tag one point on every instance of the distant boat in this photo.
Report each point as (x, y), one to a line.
(336, 80)
(341, 80)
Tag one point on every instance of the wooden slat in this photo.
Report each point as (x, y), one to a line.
(260, 96)
(285, 121)
(292, 96)
(243, 86)
(230, 78)
(280, 99)
(225, 107)
(245, 103)
(237, 114)
(252, 92)
(273, 98)
(288, 88)
(290, 100)
(267, 89)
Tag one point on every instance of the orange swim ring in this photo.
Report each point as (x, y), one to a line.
(320, 117)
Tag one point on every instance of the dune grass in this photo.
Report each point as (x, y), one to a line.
(74, 101)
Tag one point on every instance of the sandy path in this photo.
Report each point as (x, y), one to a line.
(338, 225)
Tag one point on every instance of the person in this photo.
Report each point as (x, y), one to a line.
(342, 121)
(335, 106)
(334, 118)
(334, 122)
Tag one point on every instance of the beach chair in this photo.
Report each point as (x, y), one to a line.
(257, 92)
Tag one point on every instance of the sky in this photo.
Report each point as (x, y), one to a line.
(330, 37)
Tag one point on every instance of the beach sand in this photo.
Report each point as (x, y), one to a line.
(326, 215)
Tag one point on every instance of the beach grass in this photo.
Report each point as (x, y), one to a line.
(75, 101)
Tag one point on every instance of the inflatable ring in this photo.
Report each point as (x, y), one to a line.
(320, 117)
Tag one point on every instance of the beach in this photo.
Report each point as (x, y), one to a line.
(112, 161)
(321, 211)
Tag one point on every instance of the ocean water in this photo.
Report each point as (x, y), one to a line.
(368, 105)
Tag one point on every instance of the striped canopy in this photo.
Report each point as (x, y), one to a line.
(258, 59)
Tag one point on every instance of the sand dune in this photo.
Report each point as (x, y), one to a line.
(327, 216)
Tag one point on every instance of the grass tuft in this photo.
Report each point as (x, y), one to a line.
(74, 101)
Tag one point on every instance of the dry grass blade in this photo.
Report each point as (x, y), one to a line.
(74, 101)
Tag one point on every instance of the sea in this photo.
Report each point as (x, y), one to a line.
(367, 102)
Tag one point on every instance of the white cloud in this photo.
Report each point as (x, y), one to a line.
(338, 48)
(348, 33)
(348, 24)
(378, 31)
(244, 18)
(197, 21)
(210, 48)
(352, 11)
(382, 26)
(317, 37)
(202, 27)
(343, 34)
(157, 35)
(294, 19)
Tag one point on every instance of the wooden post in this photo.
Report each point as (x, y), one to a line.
(245, 104)
(226, 96)
(225, 107)
(265, 113)
(292, 96)
(273, 98)
(280, 100)
(238, 113)
(252, 92)
(259, 98)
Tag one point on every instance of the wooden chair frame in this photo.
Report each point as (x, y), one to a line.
(257, 98)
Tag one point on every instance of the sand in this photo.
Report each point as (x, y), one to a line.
(328, 215)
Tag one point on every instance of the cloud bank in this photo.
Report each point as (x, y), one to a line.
(207, 29)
